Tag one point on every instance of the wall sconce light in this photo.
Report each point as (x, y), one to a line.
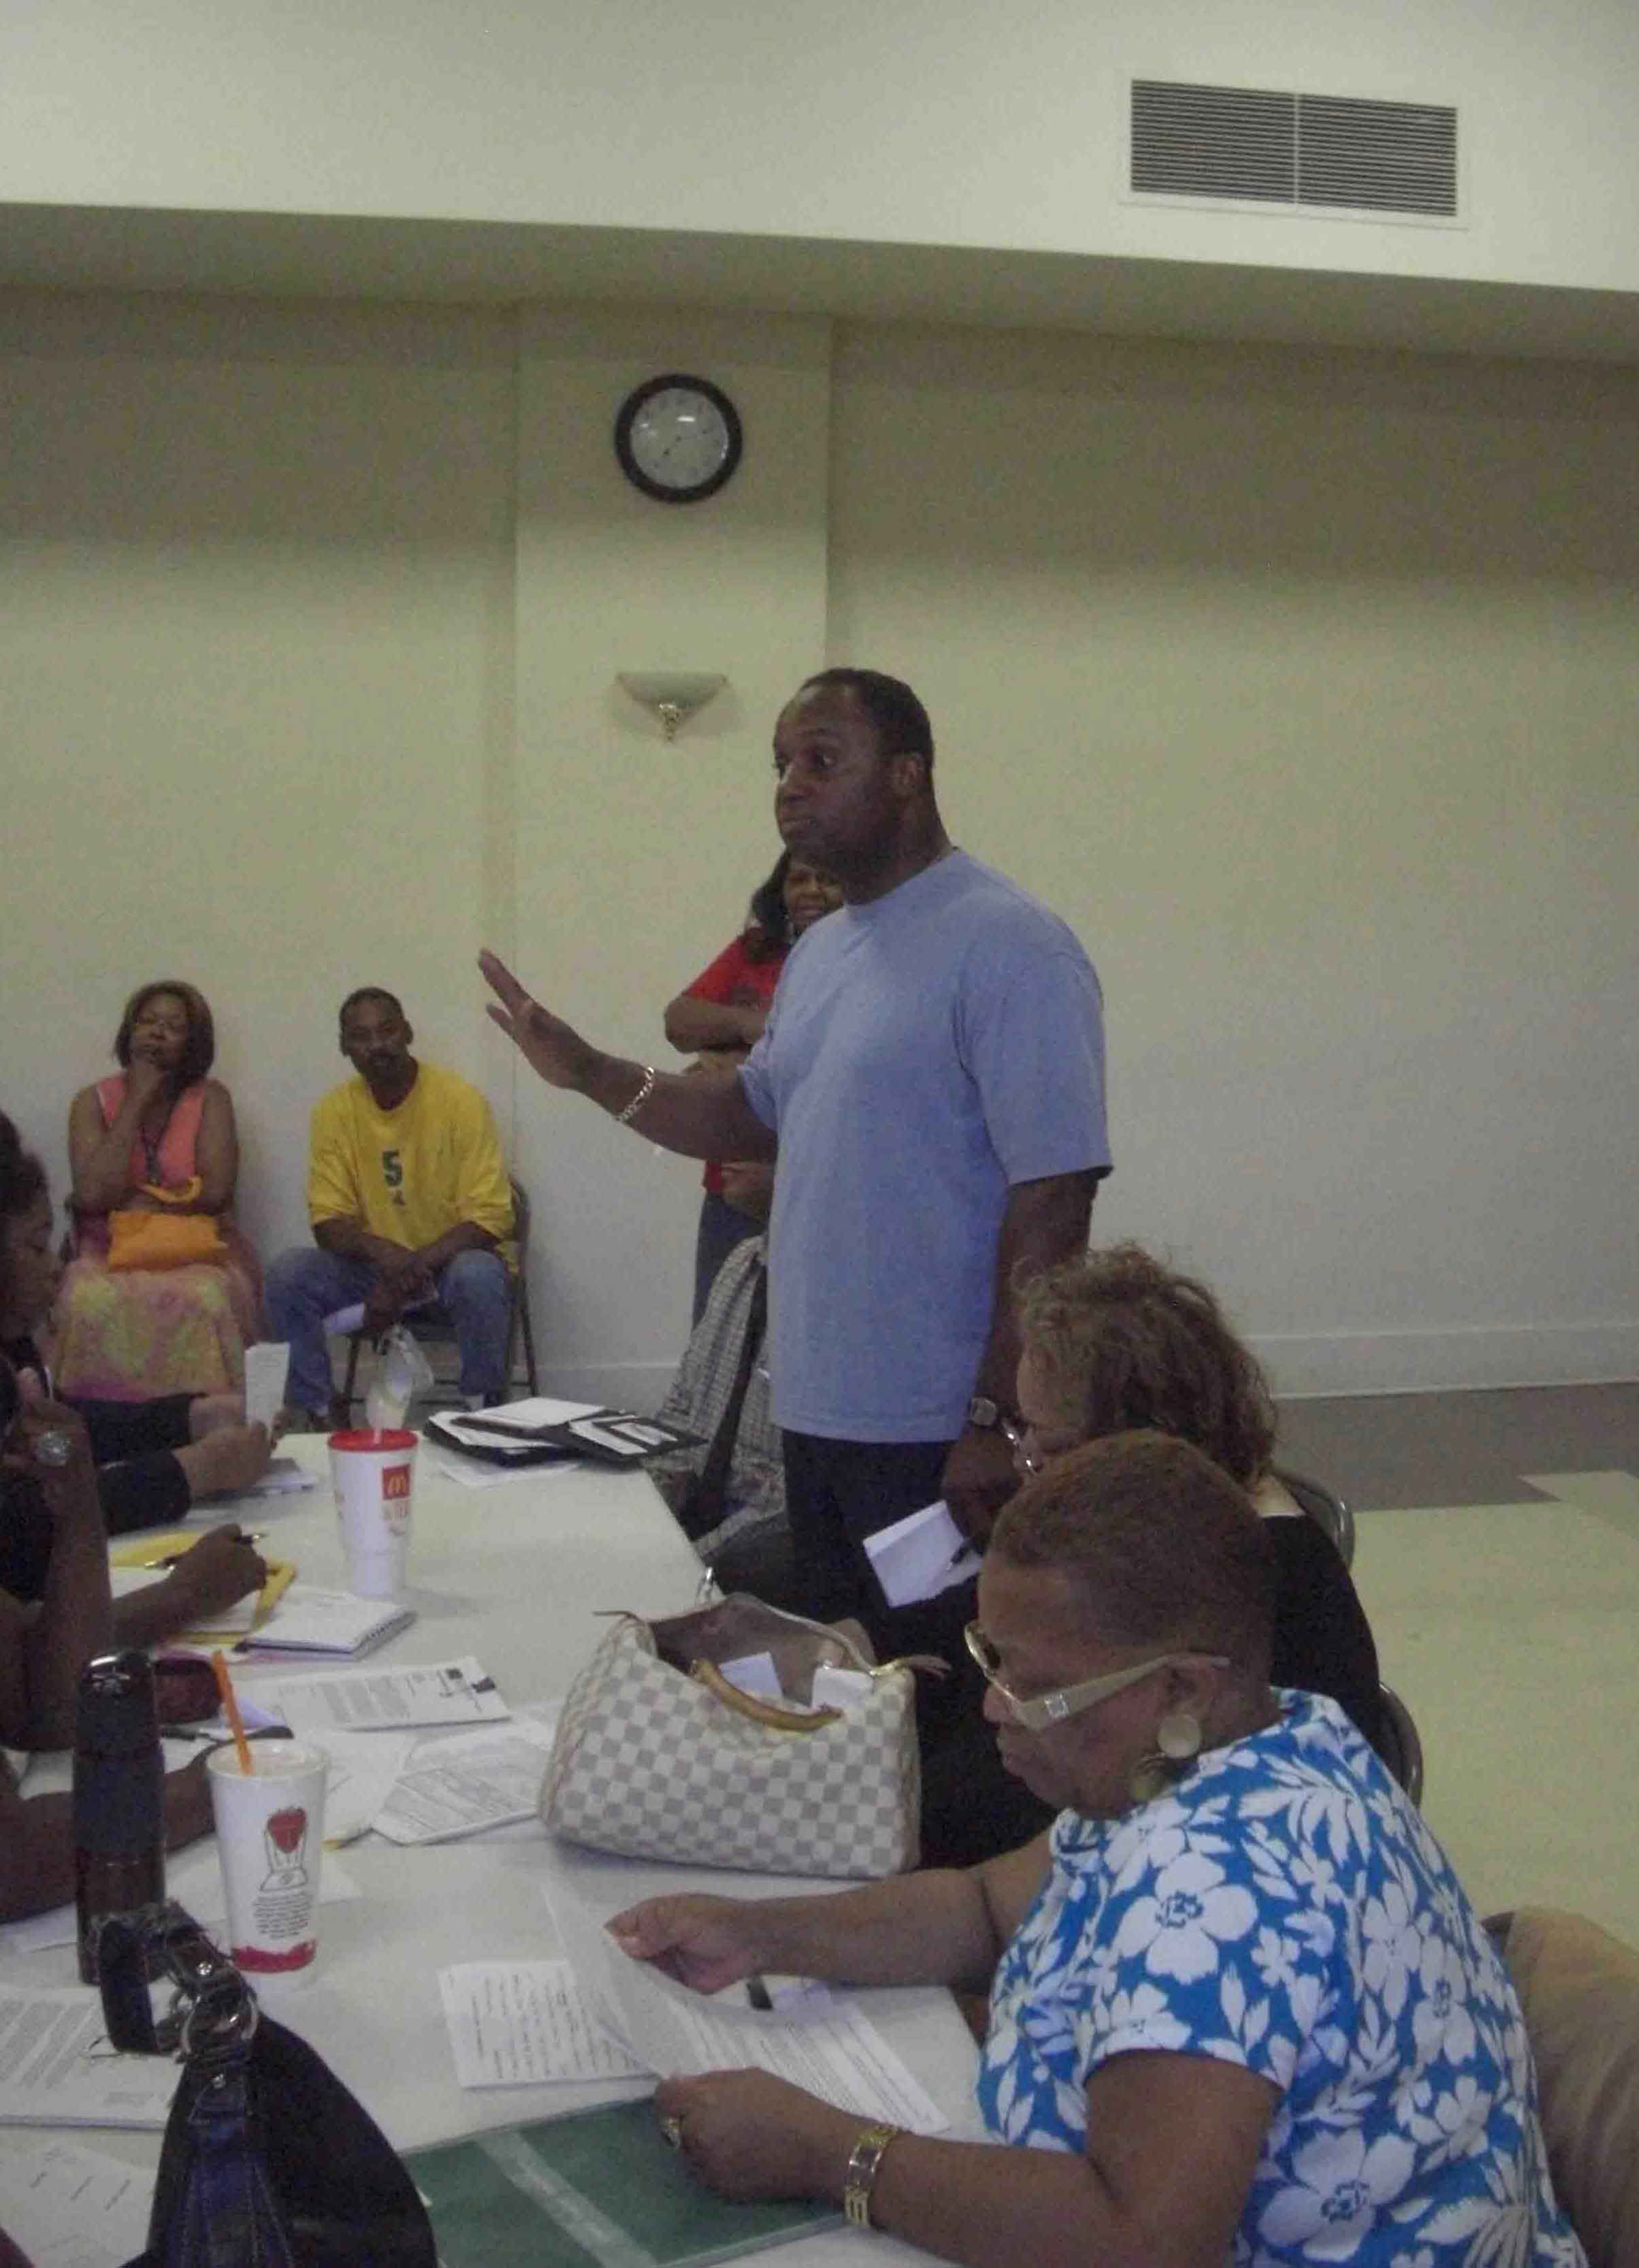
(673, 694)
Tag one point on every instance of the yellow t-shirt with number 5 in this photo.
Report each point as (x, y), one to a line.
(412, 1172)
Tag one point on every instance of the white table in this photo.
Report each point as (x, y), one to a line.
(515, 1574)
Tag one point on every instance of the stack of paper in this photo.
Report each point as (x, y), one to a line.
(65, 2206)
(600, 2016)
(466, 1782)
(56, 2068)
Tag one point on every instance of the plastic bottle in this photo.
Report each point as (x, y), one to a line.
(119, 1795)
(402, 1373)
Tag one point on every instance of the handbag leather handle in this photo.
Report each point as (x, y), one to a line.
(759, 1711)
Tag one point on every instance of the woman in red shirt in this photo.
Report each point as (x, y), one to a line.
(720, 1016)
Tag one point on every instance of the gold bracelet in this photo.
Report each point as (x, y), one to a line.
(625, 1117)
(864, 2165)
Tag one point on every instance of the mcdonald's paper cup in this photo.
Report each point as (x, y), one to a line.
(374, 1474)
(270, 1831)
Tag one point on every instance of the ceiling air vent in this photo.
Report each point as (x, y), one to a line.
(1237, 144)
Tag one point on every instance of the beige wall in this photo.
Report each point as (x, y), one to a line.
(915, 123)
(1305, 687)
(255, 575)
(1302, 685)
(634, 858)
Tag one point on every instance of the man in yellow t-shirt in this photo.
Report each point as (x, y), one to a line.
(410, 1200)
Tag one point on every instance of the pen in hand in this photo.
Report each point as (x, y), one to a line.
(173, 1558)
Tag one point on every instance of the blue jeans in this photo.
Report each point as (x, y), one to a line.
(306, 1284)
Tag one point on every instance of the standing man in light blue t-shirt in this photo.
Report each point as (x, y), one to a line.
(932, 1075)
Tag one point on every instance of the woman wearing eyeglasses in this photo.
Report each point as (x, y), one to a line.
(1240, 2008)
(1116, 1342)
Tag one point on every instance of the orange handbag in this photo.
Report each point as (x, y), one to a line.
(161, 1240)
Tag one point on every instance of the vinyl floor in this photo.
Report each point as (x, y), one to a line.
(1498, 1558)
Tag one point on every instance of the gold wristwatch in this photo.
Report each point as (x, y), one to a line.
(864, 2162)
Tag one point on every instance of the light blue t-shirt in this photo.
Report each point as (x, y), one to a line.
(923, 1054)
(1285, 1909)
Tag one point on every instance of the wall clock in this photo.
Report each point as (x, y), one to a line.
(678, 439)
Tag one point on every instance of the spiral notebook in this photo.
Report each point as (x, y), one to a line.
(311, 1621)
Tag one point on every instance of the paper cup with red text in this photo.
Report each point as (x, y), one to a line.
(374, 1475)
(270, 1830)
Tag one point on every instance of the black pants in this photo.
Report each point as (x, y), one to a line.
(836, 1494)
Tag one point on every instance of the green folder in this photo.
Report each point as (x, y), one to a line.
(597, 2189)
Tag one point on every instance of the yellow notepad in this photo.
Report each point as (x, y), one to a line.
(145, 1551)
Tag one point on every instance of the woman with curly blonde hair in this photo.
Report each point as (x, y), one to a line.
(1117, 1342)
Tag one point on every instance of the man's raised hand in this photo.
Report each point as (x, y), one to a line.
(546, 1043)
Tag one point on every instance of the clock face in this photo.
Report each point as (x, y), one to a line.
(678, 439)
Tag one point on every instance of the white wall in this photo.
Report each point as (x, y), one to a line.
(947, 124)
(1302, 684)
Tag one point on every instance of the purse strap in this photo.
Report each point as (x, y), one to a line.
(753, 1706)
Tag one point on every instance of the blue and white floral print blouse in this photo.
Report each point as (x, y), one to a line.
(1284, 1908)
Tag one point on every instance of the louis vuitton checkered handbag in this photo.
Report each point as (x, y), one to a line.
(658, 1757)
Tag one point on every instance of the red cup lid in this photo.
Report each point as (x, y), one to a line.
(391, 1437)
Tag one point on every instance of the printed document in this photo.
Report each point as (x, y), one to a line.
(833, 2051)
(513, 2023)
(65, 2206)
(56, 2068)
(461, 1783)
(360, 1700)
(363, 1768)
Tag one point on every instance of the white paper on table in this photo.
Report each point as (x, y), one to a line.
(515, 2022)
(191, 1877)
(283, 1477)
(267, 1367)
(59, 2070)
(460, 1692)
(363, 1768)
(225, 1621)
(921, 1556)
(832, 2050)
(463, 1783)
(533, 1410)
(66, 2206)
(482, 1477)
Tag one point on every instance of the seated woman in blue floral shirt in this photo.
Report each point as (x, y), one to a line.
(1240, 2008)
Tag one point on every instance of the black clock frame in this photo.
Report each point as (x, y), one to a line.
(626, 416)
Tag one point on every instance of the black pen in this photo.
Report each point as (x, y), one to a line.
(173, 1558)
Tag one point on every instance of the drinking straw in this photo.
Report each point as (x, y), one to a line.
(231, 1711)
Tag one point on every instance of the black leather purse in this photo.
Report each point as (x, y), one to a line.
(268, 2161)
